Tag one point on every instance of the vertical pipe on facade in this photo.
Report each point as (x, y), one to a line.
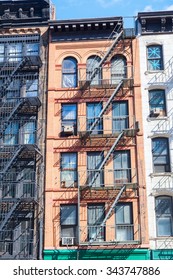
(136, 146)
(41, 240)
(45, 135)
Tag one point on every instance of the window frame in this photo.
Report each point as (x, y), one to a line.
(127, 176)
(72, 171)
(94, 228)
(156, 59)
(167, 165)
(69, 121)
(97, 106)
(117, 76)
(126, 228)
(71, 72)
(90, 67)
(71, 226)
(153, 106)
(160, 216)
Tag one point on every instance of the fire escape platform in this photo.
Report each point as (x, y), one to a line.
(109, 243)
(127, 132)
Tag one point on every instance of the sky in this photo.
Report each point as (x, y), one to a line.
(74, 9)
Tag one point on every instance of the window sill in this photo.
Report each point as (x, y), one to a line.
(159, 118)
(154, 71)
(163, 174)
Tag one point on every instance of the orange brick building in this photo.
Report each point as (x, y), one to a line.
(95, 200)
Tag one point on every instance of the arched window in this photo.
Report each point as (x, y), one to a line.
(69, 72)
(160, 152)
(157, 102)
(118, 69)
(154, 57)
(92, 64)
(164, 215)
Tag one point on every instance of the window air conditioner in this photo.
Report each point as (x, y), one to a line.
(68, 129)
(68, 241)
(155, 112)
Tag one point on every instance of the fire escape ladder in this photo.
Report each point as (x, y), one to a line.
(105, 57)
(97, 172)
(109, 212)
(9, 214)
(11, 75)
(16, 107)
(105, 108)
(113, 205)
(9, 163)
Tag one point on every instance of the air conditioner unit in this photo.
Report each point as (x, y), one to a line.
(67, 241)
(155, 112)
(68, 129)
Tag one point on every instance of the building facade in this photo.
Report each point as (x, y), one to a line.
(23, 82)
(155, 35)
(95, 195)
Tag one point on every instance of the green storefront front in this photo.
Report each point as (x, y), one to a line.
(162, 254)
(118, 254)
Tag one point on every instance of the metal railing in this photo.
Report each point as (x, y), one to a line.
(18, 185)
(17, 244)
(111, 234)
(106, 125)
(94, 178)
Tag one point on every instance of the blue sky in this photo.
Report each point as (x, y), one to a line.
(71, 9)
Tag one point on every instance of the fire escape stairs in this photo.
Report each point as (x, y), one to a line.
(11, 75)
(9, 215)
(11, 161)
(106, 157)
(104, 108)
(109, 212)
(103, 60)
(12, 111)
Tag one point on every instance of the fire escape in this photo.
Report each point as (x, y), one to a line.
(109, 191)
(19, 105)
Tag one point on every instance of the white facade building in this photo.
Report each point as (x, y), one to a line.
(155, 33)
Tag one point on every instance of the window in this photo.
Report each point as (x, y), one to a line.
(13, 90)
(164, 215)
(96, 214)
(154, 57)
(120, 116)
(123, 221)
(68, 169)
(23, 238)
(2, 53)
(92, 64)
(122, 170)
(69, 118)
(31, 88)
(95, 178)
(68, 214)
(160, 152)
(118, 69)
(93, 110)
(15, 52)
(32, 49)
(11, 134)
(28, 132)
(69, 72)
(157, 102)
